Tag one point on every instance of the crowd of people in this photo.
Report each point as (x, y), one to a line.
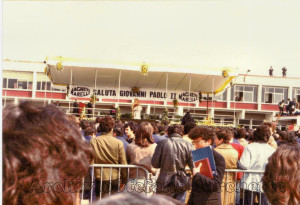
(46, 154)
(291, 107)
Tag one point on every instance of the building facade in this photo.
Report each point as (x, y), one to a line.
(248, 101)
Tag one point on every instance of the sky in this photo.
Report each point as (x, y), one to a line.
(243, 34)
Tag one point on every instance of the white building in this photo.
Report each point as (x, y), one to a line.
(248, 101)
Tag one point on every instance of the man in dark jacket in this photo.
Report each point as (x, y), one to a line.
(292, 106)
(187, 118)
(171, 156)
(90, 109)
(75, 109)
(206, 190)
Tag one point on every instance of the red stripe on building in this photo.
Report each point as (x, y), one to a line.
(152, 102)
(213, 104)
(81, 99)
(269, 107)
(246, 106)
(17, 93)
(50, 95)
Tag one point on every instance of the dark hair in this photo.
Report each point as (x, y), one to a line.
(155, 128)
(84, 124)
(225, 134)
(89, 131)
(281, 180)
(106, 124)
(204, 132)
(188, 127)
(261, 134)
(175, 129)
(131, 125)
(240, 133)
(162, 129)
(118, 130)
(143, 136)
(288, 137)
(270, 125)
(97, 120)
(41, 146)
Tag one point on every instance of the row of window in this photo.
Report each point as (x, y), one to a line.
(274, 95)
(27, 85)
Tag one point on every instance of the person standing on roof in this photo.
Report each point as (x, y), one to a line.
(271, 71)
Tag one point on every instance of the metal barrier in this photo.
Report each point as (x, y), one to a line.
(140, 173)
(234, 187)
(232, 190)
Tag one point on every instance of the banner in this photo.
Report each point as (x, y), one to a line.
(146, 94)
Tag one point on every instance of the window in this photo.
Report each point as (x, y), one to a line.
(273, 94)
(244, 93)
(222, 97)
(22, 85)
(47, 85)
(4, 83)
(12, 83)
(296, 94)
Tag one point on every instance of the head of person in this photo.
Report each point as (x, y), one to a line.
(240, 133)
(41, 147)
(188, 127)
(224, 135)
(118, 131)
(270, 125)
(288, 137)
(90, 131)
(155, 128)
(135, 198)
(84, 124)
(143, 135)
(281, 180)
(162, 129)
(261, 134)
(129, 129)
(107, 123)
(97, 120)
(202, 136)
(175, 129)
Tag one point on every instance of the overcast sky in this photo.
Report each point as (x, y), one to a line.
(244, 34)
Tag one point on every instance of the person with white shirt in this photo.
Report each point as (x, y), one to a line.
(255, 157)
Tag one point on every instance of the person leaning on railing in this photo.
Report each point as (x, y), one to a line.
(108, 150)
(140, 153)
(255, 157)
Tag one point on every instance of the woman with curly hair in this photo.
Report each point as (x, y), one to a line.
(281, 181)
(44, 156)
